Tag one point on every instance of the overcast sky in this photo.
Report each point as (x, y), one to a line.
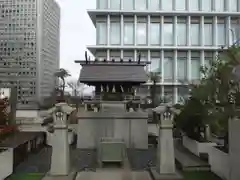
(77, 31)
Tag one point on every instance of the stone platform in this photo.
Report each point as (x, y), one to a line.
(157, 176)
(113, 174)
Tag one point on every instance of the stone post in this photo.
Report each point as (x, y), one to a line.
(165, 168)
(60, 160)
(165, 152)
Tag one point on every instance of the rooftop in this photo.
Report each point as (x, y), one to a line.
(113, 71)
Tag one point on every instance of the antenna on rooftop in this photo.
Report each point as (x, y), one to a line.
(139, 58)
(86, 57)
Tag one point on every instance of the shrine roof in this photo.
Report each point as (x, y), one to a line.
(113, 72)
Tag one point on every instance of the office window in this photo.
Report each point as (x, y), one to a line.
(208, 33)
(154, 4)
(128, 33)
(194, 5)
(180, 5)
(221, 30)
(101, 33)
(168, 69)
(141, 4)
(155, 34)
(207, 5)
(115, 4)
(167, 5)
(183, 94)
(102, 4)
(195, 34)
(182, 68)
(168, 94)
(141, 33)
(116, 55)
(219, 5)
(155, 65)
(128, 55)
(115, 33)
(128, 4)
(195, 68)
(168, 34)
(234, 5)
(182, 34)
(208, 58)
(234, 34)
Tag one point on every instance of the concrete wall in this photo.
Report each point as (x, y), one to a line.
(196, 147)
(6, 160)
(234, 149)
(27, 113)
(133, 131)
(219, 162)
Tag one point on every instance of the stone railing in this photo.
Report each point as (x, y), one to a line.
(196, 147)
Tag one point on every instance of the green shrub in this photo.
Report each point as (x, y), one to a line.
(190, 120)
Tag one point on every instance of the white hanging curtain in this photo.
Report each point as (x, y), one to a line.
(122, 88)
(113, 89)
(107, 88)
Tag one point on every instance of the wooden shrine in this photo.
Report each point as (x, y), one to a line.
(113, 80)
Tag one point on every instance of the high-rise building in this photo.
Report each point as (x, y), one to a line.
(29, 47)
(177, 36)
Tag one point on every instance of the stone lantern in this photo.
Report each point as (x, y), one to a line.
(165, 168)
(60, 159)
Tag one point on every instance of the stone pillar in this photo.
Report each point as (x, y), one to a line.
(165, 168)
(60, 160)
(165, 152)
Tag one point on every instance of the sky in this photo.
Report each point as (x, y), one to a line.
(76, 32)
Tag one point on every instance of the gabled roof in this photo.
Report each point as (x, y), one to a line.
(113, 73)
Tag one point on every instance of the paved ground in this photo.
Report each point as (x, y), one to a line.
(80, 159)
(40, 163)
(106, 174)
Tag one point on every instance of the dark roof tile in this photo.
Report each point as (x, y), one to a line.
(107, 73)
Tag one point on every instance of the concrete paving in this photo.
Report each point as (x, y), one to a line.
(71, 176)
(111, 174)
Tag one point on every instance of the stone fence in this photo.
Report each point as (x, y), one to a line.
(6, 159)
(219, 162)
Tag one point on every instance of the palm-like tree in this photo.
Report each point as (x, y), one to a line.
(62, 74)
(154, 77)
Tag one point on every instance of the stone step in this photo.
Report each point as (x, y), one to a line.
(188, 161)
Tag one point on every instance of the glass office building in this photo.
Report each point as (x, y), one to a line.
(177, 36)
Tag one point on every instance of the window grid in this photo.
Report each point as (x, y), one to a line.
(171, 5)
(202, 31)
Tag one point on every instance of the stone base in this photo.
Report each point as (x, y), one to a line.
(157, 176)
(71, 176)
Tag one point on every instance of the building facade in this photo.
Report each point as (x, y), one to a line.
(177, 36)
(29, 47)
